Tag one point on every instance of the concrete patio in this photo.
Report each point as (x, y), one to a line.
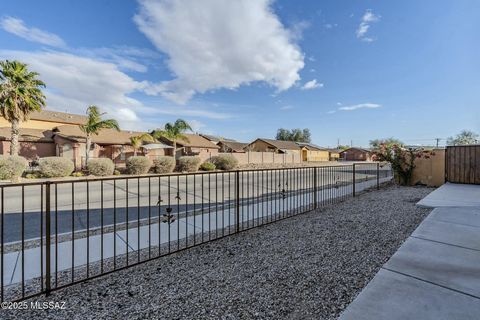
(435, 273)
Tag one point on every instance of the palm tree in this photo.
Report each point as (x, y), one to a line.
(173, 132)
(94, 125)
(20, 95)
(137, 141)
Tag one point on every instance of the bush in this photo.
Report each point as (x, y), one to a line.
(164, 164)
(138, 165)
(116, 172)
(207, 166)
(12, 167)
(53, 167)
(34, 175)
(100, 167)
(188, 164)
(77, 174)
(225, 162)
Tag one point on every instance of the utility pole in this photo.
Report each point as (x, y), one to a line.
(438, 140)
(351, 143)
(338, 143)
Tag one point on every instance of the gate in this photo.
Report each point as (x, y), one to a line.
(462, 164)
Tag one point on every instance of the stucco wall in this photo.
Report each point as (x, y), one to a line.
(430, 169)
(318, 155)
(265, 157)
(33, 124)
(30, 150)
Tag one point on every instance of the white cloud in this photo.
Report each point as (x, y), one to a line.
(331, 111)
(312, 84)
(18, 27)
(367, 19)
(196, 125)
(215, 44)
(360, 106)
(74, 82)
(286, 108)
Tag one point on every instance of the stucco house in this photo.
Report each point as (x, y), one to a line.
(232, 146)
(334, 154)
(312, 152)
(195, 145)
(356, 154)
(276, 146)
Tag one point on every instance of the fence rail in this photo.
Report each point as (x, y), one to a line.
(58, 233)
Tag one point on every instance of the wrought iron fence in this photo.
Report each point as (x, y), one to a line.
(58, 233)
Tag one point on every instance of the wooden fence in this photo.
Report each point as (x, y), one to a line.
(462, 164)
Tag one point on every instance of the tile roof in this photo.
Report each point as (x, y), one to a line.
(195, 141)
(31, 135)
(55, 116)
(215, 138)
(234, 145)
(105, 136)
(282, 145)
(311, 146)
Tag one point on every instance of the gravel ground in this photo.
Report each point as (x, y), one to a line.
(307, 267)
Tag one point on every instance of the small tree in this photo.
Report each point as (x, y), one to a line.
(94, 125)
(376, 144)
(465, 137)
(20, 95)
(137, 141)
(173, 132)
(297, 135)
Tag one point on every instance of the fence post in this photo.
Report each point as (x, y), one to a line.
(354, 179)
(378, 176)
(47, 239)
(237, 199)
(315, 188)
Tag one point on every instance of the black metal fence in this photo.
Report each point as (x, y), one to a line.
(58, 233)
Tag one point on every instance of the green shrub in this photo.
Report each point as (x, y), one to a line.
(207, 166)
(164, 164)
(225, 162)
(100, 167)
(188, 164)
(116, 172)
(52, 167)
(77, 174)
(12, 167)
(138, 165)
(33, 175)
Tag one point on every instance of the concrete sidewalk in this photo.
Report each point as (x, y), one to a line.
(453, 195)
(436, 273)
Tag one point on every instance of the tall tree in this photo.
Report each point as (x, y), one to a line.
(137, 141)
(375, 144)
(173, 132)
(20, 95)
(297, 135)
(463, 138)
(93, 126)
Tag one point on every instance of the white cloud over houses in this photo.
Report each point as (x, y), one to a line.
(360, 106)
(216, 44)
(73, 82)
(18, 28)
(367, 19)
(312, 84)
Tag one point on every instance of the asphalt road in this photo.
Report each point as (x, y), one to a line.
(84, 203)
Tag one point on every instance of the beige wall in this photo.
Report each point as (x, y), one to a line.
(33, 124)
(318, 155)
(430, 169)
(265, 157)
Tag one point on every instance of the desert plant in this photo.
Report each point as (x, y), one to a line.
(12, 167)
(20, 95)
(225, 162)
(164, 164)
(100, 167)
(93, 126)
(138, 165)
(77, 174)
(188, 164)
(52, 167)
(173, 132)
(116, 172)
(207, 166)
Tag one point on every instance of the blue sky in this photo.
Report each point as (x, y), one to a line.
(348, 70)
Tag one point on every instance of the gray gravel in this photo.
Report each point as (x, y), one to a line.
(307, 267)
